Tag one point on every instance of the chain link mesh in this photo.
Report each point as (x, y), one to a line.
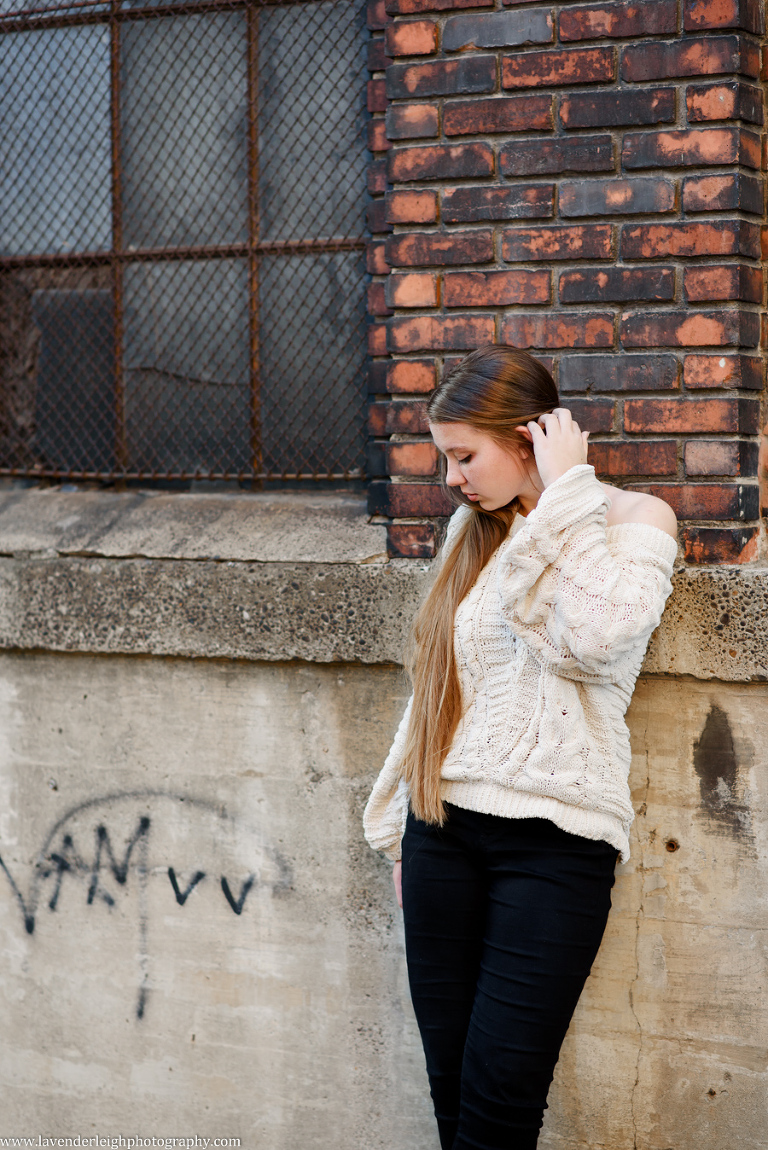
(182, 204)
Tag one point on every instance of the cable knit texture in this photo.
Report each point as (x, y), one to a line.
(549, 643)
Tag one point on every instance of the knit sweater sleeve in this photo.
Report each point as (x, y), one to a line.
(586, 604)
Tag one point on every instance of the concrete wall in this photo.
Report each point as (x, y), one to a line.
(195, 937)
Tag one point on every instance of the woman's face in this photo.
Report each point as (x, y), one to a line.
(486, 472)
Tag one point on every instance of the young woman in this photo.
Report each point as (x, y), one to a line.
(504, 799)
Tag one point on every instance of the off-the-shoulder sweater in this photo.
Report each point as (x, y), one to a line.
(548, 643)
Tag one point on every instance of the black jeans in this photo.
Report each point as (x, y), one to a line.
(503, 919)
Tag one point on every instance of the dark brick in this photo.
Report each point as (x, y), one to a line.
(377, 17)
(551, 69)
(378, 59)
(728, 327)
(377, 376)
(594, 285)
(377, 136)
(616, 197)
(507, 114)
(440, 333)
(625, 20)
(724, 282)
(377, 339)
(617, 373)
(377, 177)
(411, 121)
(745, 14)
(409, 206)
(413, 7)
(688, 416)
(400, 417)
(594, 415)
(377, 304)
(375, 261)
(376, 218)
(377, 95)
(406, 499)
(710, 238)
(544, 157)
(617, 109)
(703, 56)
(416, 38)
(495, 289)
(498, 30)
(436, 249)
(513, 202)
(733, 192)
(728, 100)
(584, 241)
(375, 461)
(558, 329)
(440, 162)
(649, 457)
(691, 147)
(721, 457)
(706, 500)
(741, 371)
(442, 77)
(411, 540)
(718, 545)
(409, 376)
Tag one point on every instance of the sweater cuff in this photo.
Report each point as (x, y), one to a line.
(573, 496)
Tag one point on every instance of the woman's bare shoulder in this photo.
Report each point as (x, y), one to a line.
(637, 507)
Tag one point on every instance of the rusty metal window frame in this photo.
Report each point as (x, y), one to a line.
(113, 15)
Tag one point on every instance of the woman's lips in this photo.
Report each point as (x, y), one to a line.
(471, 495)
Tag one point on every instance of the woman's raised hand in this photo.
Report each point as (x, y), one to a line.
(557, 446)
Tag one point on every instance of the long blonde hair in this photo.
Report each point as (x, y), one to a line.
(494, 389)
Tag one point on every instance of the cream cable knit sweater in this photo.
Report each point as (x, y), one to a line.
(548, 643)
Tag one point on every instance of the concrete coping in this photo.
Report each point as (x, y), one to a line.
(280, 576)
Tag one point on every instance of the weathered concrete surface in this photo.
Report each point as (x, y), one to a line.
(289, 1024)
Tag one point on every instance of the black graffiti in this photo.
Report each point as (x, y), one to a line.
(183, 895)
(237, 904)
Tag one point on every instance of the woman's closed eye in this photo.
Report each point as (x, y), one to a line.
(466, 459)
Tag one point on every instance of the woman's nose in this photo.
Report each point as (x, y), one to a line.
(453, 476)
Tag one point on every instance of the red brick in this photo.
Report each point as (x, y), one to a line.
(497, 30)
(718, 545)
(401, 500)
(703, 56)
(545, 156)
(377, 339)
(594, 415)
(377, 95)
(375, 261)
(377, 177)
(585, 241)
(413, 7)
(417, 38)
(413, 289)
(688, 416)
(411, 121)
(742, 371)
(377, 303)
(412, 207)
(378, 59)
(551, 69)
(720, 457)
(746, 14)
(733, 192)
(440, 162)
(411, 458)
(377, 136)
(649, 457)
(442, 77)
(410, 375)
(724, 282)
(440, 332)
(377, 17)
(625, 20)
(495, 289)
(691, 147)
(705, 500)
(616, 109)
(437, 249)
(411, 541)
(728, 100)
(616, 197)
(376, 217)
(511, 202)
(728, 327)
(711, 238)
(617, 373)
(400, 417)
(593, 285)
(507, 114)
(558, 329)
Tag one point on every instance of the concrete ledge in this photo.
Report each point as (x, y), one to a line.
(276, 577)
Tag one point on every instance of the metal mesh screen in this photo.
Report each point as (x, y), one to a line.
(182, 200)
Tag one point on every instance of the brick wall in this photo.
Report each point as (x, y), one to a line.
(583, 180)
